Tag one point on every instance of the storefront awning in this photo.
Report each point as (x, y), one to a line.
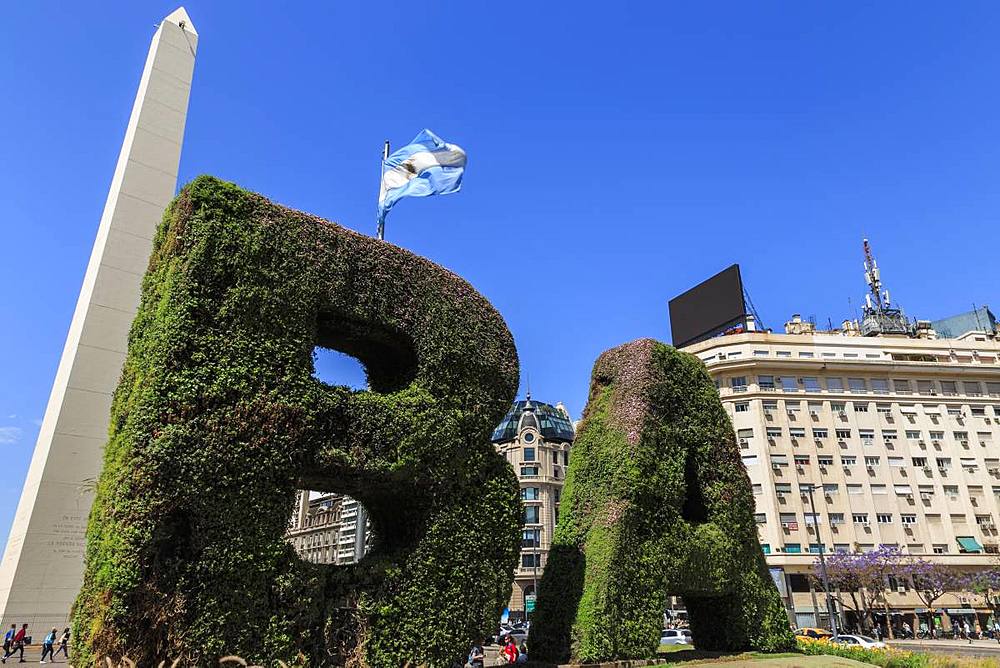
(969, 544)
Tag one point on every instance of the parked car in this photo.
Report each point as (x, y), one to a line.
(860, 641)
(675, 637)
(812, 633)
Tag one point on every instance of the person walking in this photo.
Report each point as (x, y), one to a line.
(63, 644)
(47, 644)
(17, 645)
(8, 639)
(966, 631)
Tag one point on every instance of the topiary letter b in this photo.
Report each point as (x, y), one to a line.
(218, 419)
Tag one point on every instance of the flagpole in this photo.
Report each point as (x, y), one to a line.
(385, 156)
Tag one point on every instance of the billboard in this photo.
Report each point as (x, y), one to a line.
(709, 308)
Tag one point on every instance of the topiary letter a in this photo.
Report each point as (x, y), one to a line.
(218, 419)
(656, 502)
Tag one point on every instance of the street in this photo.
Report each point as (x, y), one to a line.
(984, 648)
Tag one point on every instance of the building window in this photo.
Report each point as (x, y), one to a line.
(793, 548)
(939, 549)
(529, 493)
(810, 384)
(765, 383)
(857, 385)
(843, 434)
(824, 460)
(555, 457)
(880, 386)
(789, 384)
(565, 457)
(834, 384)
(859, 518)
(529, 471)
(820, 433)
(738, 383)
(530, 538)
(528, 455)
(531, 514)
(901, 386)
(760, 518)
(774, 432)
(741, 407)
(907, 519)
(531, 560)
(860, 406)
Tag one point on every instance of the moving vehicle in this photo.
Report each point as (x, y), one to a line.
(675, 637)
(812, 633)
(860, 641)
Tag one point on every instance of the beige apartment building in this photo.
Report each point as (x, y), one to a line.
(536, 439)
(899, 434)
(324, 527)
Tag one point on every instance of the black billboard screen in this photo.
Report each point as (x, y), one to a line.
(708, 308)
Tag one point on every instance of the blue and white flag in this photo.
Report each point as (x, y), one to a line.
(425, 166)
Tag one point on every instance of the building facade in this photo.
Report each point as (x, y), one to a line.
(536, 439)
(900, 435)
(324, 527)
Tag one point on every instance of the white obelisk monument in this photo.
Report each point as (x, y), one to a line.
(42, 566)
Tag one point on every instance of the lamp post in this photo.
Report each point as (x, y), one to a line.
(830, 607)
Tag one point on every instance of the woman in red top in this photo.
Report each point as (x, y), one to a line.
(509, 651)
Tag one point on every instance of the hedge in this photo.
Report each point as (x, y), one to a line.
(218, 419)
(656, 502)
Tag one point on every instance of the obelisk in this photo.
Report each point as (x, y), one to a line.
(42, 566)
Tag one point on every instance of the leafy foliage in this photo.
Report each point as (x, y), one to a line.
(217, 420)
(887, 657)
(656, 502)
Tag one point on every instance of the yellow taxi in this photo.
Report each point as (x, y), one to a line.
(812, 633)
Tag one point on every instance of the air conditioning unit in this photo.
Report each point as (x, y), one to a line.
(847, 468)
(842, 414)
(988, 420)
(926, 495)
(871, 469)
(800, 468)
(921, 442)
(791, 413)
(744, 443)
(865, 523)
(994, 471)
(779, 494)
(982, 443)
(775, 466)
(841, 442)
(927, 470)
(943, 470)
(936, 443)
(818, 441)
(964, 443)
(768, 414)
(822, 469)
(815, 414)
(786, 525)
(908, 497)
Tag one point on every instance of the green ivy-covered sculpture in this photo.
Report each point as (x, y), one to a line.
(218, 419)
(656, 502)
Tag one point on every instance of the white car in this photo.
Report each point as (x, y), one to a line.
(675, 637)
(860, 641)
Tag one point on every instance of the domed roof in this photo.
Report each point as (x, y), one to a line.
(551, 422)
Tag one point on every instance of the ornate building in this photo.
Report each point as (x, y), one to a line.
(536, 439)
(324, 530)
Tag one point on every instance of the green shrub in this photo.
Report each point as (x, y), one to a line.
(888, 657)
(656, 502)
(217, 420)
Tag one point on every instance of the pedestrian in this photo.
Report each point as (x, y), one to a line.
(17, 645)
(907, 632)
(8, 639)
(47, 644)
(509, 652)
(878, 632)
(63, 644)
(522, 656)
(477, 657)
(996, 630)
(966, 631)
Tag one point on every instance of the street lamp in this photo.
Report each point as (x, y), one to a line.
(830, 607)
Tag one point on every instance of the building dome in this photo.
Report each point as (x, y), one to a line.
(551, 422)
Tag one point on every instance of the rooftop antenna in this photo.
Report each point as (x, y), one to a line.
(878, 315)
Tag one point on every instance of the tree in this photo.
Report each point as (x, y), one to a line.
(931, 580)
(863, 576)
(984, 583)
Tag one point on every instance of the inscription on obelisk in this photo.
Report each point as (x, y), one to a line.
(42, 566)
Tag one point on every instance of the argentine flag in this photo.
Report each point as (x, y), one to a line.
(426, 166)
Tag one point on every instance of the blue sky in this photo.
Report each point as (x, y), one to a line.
(618, 154)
